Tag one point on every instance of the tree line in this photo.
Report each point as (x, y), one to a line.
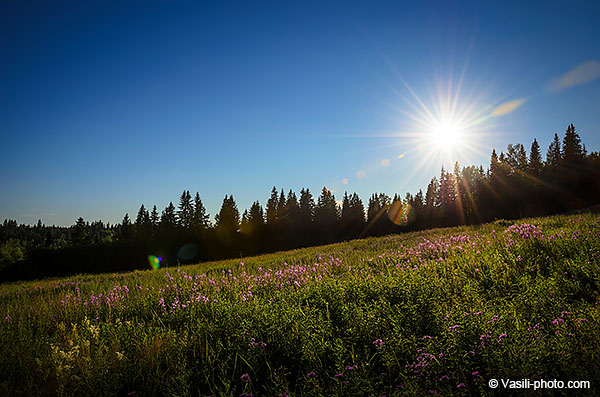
(516, 184)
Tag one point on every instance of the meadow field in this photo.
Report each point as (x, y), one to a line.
(439, 311)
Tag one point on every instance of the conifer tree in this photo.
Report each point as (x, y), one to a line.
(292, 208)
(199, 219)
(154, 218)
(281, 208)
(168, 219)
(307, 207)
(256, 217)
(186, 209)
(534, 166)
(80, 234)
(229, 216)
(272, 205)
(126, 232)
(572, 152)
(553, 155)
(326, 212)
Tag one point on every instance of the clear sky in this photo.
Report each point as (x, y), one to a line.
(108, 105)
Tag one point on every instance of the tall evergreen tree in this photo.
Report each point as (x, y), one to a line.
(554, 155)
(307, 207)
(256, 217)
(272, 205)
(535, 159)
(126, 232)
(229, 216)
(326, 211)
(281, 208)
(292, 208)
(154, 217)
(572, 151)
(186, 210)
(80, 235)
(168, 218)
(200, 219)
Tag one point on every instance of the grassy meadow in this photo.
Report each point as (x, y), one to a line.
(439, 311)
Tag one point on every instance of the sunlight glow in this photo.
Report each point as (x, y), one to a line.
(447, 135)
(449, 125)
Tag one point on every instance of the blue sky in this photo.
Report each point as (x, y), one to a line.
(108, 105)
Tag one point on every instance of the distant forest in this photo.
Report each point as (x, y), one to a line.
(515, 185)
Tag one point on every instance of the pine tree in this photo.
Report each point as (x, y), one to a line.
(126, 232)
(326, 212)
(184, 215)
(281, 208)
(199, 218)
(154, 218)
(80, 234)
(572, 152)
(168, 219)
(229, 217)
(535, 159)
(307, 207)
(272, 205)
(256, 217)
(553, 155)
(292, 208)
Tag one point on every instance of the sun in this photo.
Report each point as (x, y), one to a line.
(447, 134)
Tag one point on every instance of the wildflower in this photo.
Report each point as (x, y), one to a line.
(310, 374)
(245, 377)
(340, 375)
(378, 342)
(444, 377)
(460, 385)
(502, 336)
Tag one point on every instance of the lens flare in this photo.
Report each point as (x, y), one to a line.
(154, 261)
(400, 213)
(187, 252)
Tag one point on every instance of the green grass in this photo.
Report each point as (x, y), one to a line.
(441, 311)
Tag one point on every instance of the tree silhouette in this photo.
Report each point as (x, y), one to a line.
(186, 209)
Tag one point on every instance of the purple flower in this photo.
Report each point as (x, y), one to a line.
(310, 374)
(378, 342)
(460, 385)
(245, 378)
(340, 375)
(502, 336)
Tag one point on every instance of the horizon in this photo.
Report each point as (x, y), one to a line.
(108, 106)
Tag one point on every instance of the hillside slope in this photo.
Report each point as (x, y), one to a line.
(439, 311)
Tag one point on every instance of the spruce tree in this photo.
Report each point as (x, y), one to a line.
(168, 219)
(292, 208)
(126, 232)
(572, 151)
(535, 159)
(272, 205)
(228, 217)
(80, 234)
(184, 215)
(554, 155)
(307, 207)
(200, 219)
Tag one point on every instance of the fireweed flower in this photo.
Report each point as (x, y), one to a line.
(245, 378)
(378, 342)
(502, 336)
